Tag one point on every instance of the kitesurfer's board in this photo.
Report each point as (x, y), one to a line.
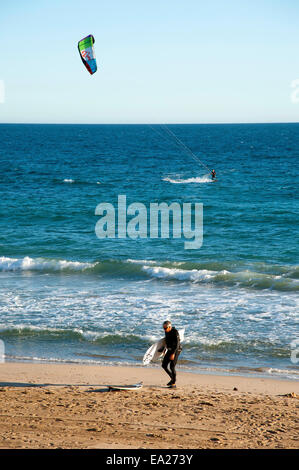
(152, 354)
(126, 387)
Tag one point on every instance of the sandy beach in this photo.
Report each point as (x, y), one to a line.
(69, 406)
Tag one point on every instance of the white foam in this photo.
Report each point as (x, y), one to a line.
(193, 275)
(40, 264)
(203, 179)
(286, 372)
(140, 261)
(66, 180)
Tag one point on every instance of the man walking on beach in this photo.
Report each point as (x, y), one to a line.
(173, 346)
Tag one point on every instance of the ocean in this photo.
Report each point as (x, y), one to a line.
(68, 296)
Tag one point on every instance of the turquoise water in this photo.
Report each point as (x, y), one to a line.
(66, 295)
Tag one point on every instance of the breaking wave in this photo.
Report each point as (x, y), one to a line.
(41, 264)
(255, 275)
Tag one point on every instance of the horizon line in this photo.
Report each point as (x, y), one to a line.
(146, 123)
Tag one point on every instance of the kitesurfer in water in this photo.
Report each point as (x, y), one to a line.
(173, 349)
(213, 173)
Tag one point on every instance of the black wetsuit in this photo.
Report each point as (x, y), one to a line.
(173, 346)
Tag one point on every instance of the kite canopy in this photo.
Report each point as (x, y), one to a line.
(86, 51)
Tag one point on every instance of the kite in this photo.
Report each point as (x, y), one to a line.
(87, 54)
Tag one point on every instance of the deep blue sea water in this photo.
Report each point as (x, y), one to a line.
(68, 296)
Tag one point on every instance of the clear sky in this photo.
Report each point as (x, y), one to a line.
(159, 61)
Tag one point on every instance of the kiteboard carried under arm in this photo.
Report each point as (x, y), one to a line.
(154, 352)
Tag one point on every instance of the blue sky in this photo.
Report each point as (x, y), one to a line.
(159, 61)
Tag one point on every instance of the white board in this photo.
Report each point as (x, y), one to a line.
(152, 354)
(126, 387)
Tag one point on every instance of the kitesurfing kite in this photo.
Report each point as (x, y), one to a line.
(87, 54)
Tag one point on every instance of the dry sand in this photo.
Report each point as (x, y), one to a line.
(69, 406)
